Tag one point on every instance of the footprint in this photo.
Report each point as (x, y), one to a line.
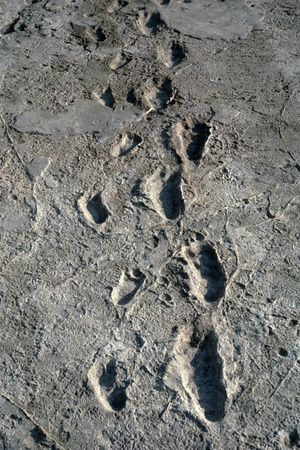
(208, 373)
(130, 282)
(132, 97)
(116, 5)
(117, 391)
(93, 209)
(97, 210)
(109, 384)
(150, 23)
(119, 61)
(88, 32)
(206, 274)
(107, 98)
(36, 168)
(128, 142)
(158, 94)
(212, 271)
(189, 139)
(100, 35)
(171, 197)
(164, 190)
(195, 370)
(155, 94)
(173, 56)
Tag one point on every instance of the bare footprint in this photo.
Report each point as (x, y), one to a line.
(195, 370)
(128, 141)
(150, 22)
(106, 98)
(171, 56)
(164, 190)
(130, 283)
(93, 209)
(189, 139)
(157, 94)
(206, 274)
(109, 384)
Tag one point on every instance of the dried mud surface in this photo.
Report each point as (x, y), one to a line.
(149, 245)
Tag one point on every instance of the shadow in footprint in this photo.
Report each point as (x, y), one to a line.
(131, 97)
(154, 23)
(109, 375)
(165, 93)
(178, 53)
(117, 398)
(100, 35)
(38, 435)
(207, 366)
(294, 438)
(107, 98)
(108, 380)
(97, 210)
(11, 28)
(171, 197)
(211, 270)
(200, 134)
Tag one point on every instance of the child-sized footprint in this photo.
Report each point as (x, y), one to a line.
(94, 210)
(129, 284)
(128, 141)
(109, 384)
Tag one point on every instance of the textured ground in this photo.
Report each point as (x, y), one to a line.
(149, 202)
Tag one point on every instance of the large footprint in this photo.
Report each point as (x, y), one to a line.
(155, 94)
(206, 274)
(165, 192)
(171, 56)
(150, 23)
(195, 371)
(195, 368)
(189, 139)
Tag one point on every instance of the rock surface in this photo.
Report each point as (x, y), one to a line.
(148, 218)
